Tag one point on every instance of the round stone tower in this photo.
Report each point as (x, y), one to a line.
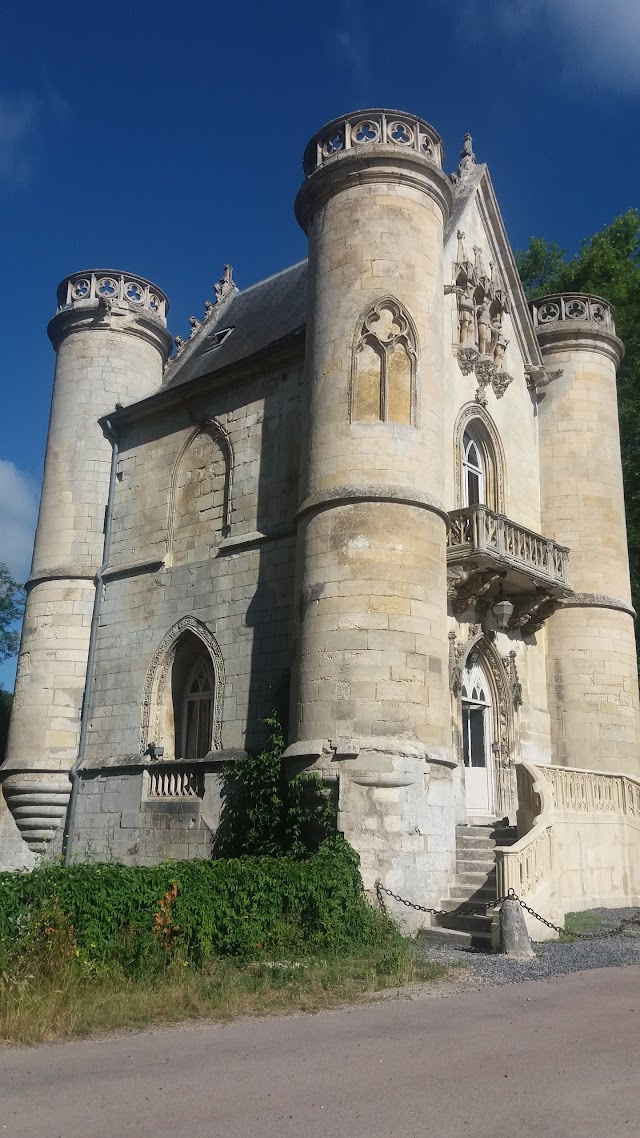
(111, 340)
(370, 700)
(591, 653)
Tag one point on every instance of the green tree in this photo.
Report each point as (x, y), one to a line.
(11, 609)
(608, 264)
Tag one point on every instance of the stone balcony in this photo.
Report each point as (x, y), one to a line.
(488, 554)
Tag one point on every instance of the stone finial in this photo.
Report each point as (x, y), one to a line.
(225, 286)
(467, 161)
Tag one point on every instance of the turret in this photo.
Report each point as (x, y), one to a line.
(591, 652)
(370, 696)
(111, 342)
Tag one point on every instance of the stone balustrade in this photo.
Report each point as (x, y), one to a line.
(395, 128)
(108, 285)
(573, 307)
(478, 530)
(590, 792)
(170, 781)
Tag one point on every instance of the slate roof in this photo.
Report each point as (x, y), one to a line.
(261, 315)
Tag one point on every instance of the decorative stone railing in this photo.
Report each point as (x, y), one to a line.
(396, 128)
(525, 865)
(175, 782)
(572, 307)
(108, 285)
(546, 794)
(592, 792)
(478, 530)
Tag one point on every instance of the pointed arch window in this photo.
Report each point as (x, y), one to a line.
(474, 480)
(383, 386)
(479, 461)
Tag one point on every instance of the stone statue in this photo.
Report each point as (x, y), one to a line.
(499, 339)
(467, 157)
(485, 330)
(465, 312)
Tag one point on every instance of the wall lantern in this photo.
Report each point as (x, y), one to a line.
(502, 611)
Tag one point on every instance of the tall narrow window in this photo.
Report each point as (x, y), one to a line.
(473, 472)
(193, 697)
(383, 383)
(197, 718)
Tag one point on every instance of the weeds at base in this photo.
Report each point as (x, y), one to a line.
(66, 1002)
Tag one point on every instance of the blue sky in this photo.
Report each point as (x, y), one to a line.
(167, 138)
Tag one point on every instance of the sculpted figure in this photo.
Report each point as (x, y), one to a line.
(465, 312)
(500, 340)
(485, 331)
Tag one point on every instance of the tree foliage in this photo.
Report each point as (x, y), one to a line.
(608, 265)
(11, 609)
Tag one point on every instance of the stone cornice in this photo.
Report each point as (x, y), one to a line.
(348, 495)
(116, 316)
(377, 163)
(587, 337)
(596, 600)
(62, 573)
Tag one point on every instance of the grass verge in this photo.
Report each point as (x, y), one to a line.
(67, 1001)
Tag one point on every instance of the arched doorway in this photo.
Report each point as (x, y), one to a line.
(477, 738)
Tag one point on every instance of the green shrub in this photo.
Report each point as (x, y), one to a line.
(141, 917)
(265, 813)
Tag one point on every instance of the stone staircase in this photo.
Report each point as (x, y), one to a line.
(474, 884)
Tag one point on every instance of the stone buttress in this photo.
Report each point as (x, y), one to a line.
(111, 341)
(591, 652)
(370, 700)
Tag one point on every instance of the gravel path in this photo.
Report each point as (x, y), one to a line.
(553, 958)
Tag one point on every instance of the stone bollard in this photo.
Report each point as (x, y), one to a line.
(514, 938)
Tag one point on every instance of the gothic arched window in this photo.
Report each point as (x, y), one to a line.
(473, 472)
(193, 692)
(383, 386)
(479, 460)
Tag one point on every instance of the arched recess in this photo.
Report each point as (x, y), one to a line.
(158, 723)
(503, 710)
(477, 423)
(206, 487)
(384, 365)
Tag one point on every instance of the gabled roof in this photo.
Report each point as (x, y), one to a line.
(262, 315)
(478, 187)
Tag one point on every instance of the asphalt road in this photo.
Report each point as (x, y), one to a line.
(551, 1058)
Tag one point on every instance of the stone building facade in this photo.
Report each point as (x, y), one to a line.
(378, 481)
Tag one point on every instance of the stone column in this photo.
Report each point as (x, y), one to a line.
(591, 653)
(370, 698)
(111, 341)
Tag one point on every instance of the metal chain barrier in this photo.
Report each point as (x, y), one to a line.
(465, 909)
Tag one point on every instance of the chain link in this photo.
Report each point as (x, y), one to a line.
(465, 909)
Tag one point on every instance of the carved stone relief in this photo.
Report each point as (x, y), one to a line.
(482, 301)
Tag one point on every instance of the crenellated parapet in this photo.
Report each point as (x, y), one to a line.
(363, 128)
(572, 307)
(579, 321)
(108, 286)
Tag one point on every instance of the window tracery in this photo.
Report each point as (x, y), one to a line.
(384, 366)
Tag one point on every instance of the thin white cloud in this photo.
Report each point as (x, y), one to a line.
(23, 118)
(352, 39)
(585, 40)
(18, 122)
(18, 515)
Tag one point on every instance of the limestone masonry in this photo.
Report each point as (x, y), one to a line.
(379, 487)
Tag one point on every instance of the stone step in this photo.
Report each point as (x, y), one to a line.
(473, 864)
(475, 877)
(453, 938)
(478, 926)
(463, 895)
